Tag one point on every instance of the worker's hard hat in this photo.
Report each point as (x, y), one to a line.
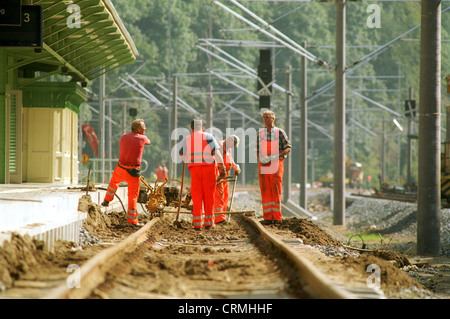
(236, 140)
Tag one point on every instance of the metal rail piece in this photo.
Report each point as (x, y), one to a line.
(320, 285)
(94, 271)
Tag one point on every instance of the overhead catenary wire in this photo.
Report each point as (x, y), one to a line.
(268, 26)
(234, 84)
(291, 45)
(152, 97)
(251, 73)
(376, 103)
(139, 88)
(227, 55)
(243, 43)
(182, 102)
(331, 84)
(363, 127)
(231, 102)
(383, 47)
(121, 84)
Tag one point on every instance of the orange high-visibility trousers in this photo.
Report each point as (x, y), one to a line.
(203, 187)
(119, 175)
(221, 200)
(270, 186)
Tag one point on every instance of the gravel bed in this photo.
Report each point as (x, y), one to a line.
(389, 219)
(364, 215)
(86, 239)
(392, 217)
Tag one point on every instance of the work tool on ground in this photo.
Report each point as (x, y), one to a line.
(176, 222)
(226, 179)
(232, 197)
(155, 200)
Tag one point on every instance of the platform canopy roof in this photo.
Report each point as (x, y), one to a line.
(100, 43)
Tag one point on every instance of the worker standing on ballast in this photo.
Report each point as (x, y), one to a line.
(159, 171)
(273, 146)
(165, 171)
(200, 152)
(129, 168)
(222, 188)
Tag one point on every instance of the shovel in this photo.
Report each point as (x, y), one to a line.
(176, 223)
(232, 196)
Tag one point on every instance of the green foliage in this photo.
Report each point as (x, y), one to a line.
(166, 34)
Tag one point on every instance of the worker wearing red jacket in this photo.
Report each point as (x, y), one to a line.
(159, 171)
(272, 148)
(128, 169)
(222, 188)
(165, 171)
(200, 152)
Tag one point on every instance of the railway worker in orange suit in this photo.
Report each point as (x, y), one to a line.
(159, 171)
(222, 188)
(200, 152)
(273, 146)
(165, 170)
(128, 169)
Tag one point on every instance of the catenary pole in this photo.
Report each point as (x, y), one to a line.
(102, 127)
(303, 134)
(288, 123)
(428, 192)
(173, 168)
(339, 118)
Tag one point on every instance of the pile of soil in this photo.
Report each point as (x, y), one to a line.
(400, 260)
(23, 257)
(308, 232)
(20, 256)
(389, 262)
(391, 276)
(108, 224)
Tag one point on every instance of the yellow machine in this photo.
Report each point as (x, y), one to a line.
(354, 175)
(160, 196)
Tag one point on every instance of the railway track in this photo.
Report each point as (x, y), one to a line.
(242, 261)
(408, 198)
(163, 260)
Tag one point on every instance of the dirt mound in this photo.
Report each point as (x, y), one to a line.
(96, 220)
(400, 259)
(102, 224)
(391, 276)
(20, 256)
(308, 232)
(23, 257)
(185, 232)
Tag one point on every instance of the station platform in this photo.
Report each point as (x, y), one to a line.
(48, 212)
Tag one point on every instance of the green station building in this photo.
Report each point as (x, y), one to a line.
(45, 65)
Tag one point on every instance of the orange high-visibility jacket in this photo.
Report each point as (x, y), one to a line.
(271, 183)
(199, 156)
(198, 151)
